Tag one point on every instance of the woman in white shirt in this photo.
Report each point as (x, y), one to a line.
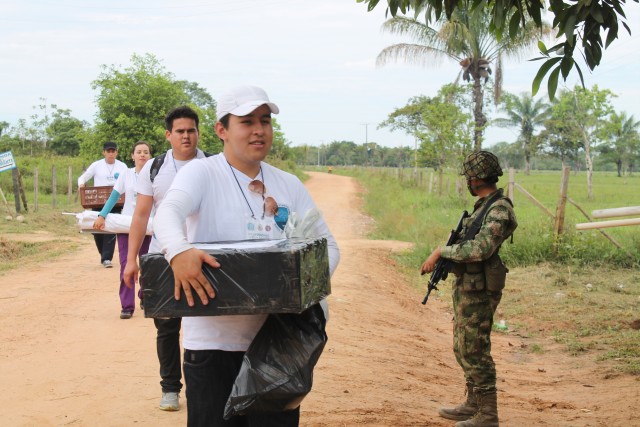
(126, 184)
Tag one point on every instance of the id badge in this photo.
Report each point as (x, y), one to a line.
(258, 229)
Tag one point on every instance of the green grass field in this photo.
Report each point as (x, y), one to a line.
(584, 295)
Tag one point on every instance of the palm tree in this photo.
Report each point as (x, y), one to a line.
(526, 114)
(623, 135)
(465, 38)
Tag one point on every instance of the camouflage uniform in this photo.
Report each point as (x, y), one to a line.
(476, 295)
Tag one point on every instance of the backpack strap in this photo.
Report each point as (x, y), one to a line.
(156, 165)
(158, 161)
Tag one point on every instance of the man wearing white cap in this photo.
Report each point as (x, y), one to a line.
(236, 206)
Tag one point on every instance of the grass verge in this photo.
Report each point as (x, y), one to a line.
(584, 295)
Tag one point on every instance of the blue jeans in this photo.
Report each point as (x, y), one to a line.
(209, 376)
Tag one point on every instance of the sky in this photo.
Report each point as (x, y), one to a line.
(315, 59)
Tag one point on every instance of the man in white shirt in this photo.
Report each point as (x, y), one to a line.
(181, 125)
(218, 200)
(104, 172)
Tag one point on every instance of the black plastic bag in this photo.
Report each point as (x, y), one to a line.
(277, 369)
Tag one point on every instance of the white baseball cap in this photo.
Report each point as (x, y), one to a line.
(242, 100)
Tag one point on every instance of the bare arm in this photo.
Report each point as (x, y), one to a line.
(430, 263)
(138, 229)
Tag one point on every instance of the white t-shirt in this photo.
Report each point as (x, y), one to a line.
(218, 208)
(161, 183)
(102, 173)
(126, 184)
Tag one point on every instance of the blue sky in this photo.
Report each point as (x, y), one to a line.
(316, 59)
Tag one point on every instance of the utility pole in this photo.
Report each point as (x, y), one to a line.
(366, 140)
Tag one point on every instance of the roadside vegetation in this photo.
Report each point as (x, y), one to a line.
(583, 297)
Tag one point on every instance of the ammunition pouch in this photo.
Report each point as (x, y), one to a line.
(495, 273)
(473, 278)
(490, 275)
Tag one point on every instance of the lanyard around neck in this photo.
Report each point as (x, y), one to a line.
(242, 191)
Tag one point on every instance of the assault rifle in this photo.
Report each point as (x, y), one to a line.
(443, 266)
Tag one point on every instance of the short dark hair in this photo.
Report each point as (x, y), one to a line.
(182, 112)
(224, 121)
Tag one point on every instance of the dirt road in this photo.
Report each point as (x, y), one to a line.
(67, 359)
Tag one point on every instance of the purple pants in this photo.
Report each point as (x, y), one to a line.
(128, 295)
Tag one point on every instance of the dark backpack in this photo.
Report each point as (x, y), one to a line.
(157, 164)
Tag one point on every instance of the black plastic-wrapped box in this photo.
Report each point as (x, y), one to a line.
(276, 276)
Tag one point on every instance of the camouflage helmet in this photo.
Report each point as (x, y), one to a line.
(481, 165)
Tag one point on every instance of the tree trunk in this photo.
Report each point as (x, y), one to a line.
(619, 167)
(478, 114)
(589, 163)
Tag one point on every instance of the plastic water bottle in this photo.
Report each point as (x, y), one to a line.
(502, 325)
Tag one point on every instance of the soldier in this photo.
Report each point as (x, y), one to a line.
(479, 280)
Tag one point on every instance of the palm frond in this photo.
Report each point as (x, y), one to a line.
(414, 54)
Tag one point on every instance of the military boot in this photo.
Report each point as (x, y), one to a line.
(487, 415)
(463, 411)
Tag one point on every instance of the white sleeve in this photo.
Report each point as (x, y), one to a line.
(144, 185)
(334, 253)
(168, 223)
(121, 183)
(88, 174)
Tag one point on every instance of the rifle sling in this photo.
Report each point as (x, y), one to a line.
(478, 220)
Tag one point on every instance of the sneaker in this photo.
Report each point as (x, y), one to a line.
(107, 263)
(170, 401)
(126, 314)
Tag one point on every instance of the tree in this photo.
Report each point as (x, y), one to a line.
(280, 149)
(525, 114)
(510, 154)
(205, 106)
(590, 110)
(3, 125)
(65, 133)
(40, 123)
(583, 23)
(622, 141)
(578, 117)
(132, 103)
(467, 39)
(407, 119)
(560, 137)
(446, 132)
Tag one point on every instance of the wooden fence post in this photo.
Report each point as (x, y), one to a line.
(23, 196)
(69, 187)
(562, 202)
(6, 205)
(35, 190)
(16, 192)
(54, 184)
(510, 188)
(430, 182)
